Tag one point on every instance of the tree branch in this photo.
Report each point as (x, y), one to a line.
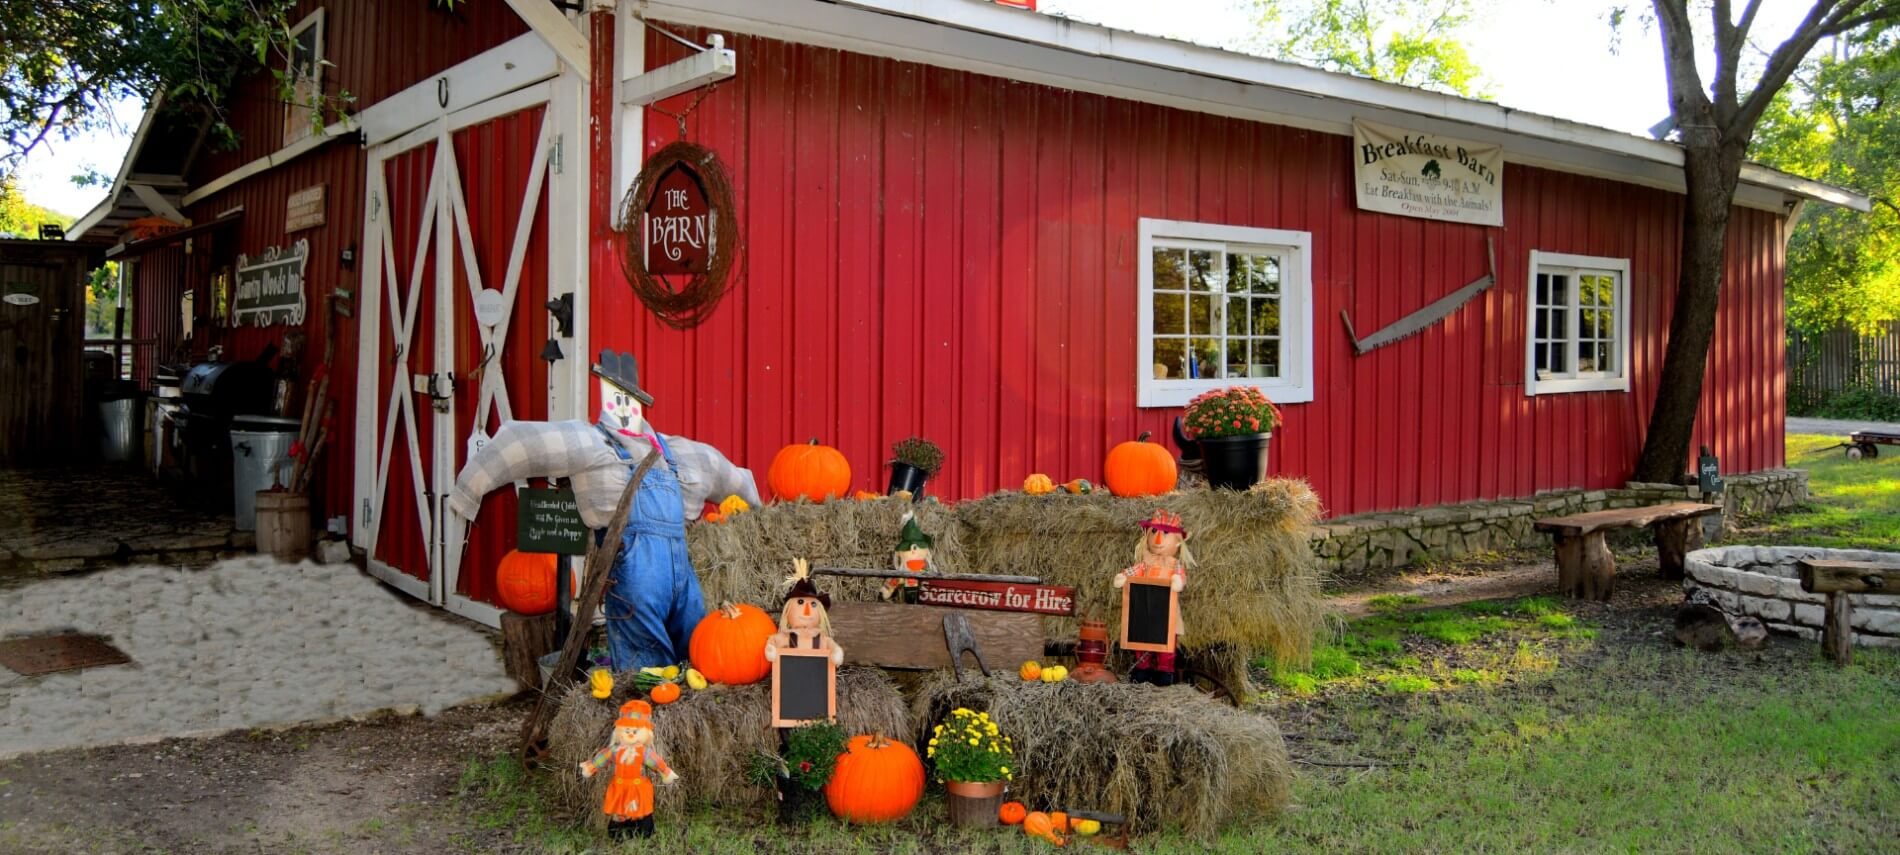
(1688, 100)
(1821, 21)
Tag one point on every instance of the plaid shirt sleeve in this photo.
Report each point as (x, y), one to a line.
(523, 450)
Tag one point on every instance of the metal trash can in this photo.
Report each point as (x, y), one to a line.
(123, 435)
(260, 460)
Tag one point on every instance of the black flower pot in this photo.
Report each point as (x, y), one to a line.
(1235, 462)
(907, 477)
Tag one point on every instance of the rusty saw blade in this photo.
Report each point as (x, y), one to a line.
(1431, 313)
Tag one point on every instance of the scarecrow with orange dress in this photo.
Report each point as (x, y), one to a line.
(629, 802)
(1161, 554)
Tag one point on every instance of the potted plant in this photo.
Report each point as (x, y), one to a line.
(1232, 426)
(914, 461)
(973, 759)
(799, 772)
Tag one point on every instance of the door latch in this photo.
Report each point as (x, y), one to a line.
(439, 387)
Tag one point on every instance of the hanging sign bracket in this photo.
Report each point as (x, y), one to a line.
(711, 65)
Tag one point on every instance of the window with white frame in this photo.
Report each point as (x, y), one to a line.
(303, 71)
(1579, 324)
(1223, 306)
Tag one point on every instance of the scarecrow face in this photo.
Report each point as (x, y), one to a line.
(804, 613)
(632, 737)
(913, 560)
(1162, 544)
(620, 409)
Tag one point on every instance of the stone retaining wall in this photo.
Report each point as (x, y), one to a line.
(1765, 581)
(1367, 545)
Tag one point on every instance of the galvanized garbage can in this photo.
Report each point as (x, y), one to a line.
(124, 432)
(260, 460)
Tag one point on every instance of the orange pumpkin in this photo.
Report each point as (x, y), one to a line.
(1140, 468)
(866, 496)
(728, 646)
(1059, 821)
(1038, 485)
(664, 693)
(524, 581)
(713, 516)
(1038, 824)
(813, 471)
(1011, 813)
(876, 780)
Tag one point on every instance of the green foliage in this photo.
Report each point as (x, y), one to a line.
(1393, 602)
(811, 755)
(102, 301)
(1861, 401)
(1399, 41)
(20, 218)
(1839, 122)
(1853, 504)
(969, 747)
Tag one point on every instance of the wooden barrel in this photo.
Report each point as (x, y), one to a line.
(283, 524)
(973, 805)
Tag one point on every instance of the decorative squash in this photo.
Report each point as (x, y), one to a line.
(713, 516)
(1088, 827)
(1030, 671)
(866, 496)
(733, 505)
(876, 780)
(1079, 486)
(524, 581)
(664, 693)
(1038, 824)
(728, 646)
(1038, 485)
(1011, 813)
(813, 471)
(1140, 468)
(1059, 821)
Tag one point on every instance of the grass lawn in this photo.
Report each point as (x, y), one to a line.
(1856, 503)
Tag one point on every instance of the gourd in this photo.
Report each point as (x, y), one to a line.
(1079, 486)
(1011, 813)
(813, 471)
(1140, 468)
(866, 496)
(728, 646)
(1038, 824)
(524, 581)
(1059, 821)
(1038, 485)
(733, 505)
(664, 693)
(876, 780)
(1030, 671)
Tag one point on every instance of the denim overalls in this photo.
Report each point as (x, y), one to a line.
(654, 601)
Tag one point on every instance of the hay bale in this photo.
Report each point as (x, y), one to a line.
(745, 559)
(1163, 757)
(706, 737)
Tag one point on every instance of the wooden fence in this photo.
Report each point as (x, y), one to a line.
(1819, 366)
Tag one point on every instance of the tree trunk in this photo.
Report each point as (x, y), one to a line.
(1585, 568)
(1712, 167)
(524, 640)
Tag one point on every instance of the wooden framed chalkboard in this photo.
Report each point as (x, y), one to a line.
(804, 687)
(549, 521)
(1148, 615)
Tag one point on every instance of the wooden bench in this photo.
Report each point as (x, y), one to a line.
(1585, 568)
(1837, 579)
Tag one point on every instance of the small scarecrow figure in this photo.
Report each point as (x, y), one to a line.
(629, 803)
(803, 623)
(1161, 554)
(912, 556)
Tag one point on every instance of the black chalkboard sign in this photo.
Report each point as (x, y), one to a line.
(549, 521)
(1148, 615)
(804, 687)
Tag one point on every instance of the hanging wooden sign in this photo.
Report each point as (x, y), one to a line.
(998, 596)
(304, 209)
(679, 234)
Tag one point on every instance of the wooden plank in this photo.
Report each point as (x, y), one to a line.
(1580, 524)
(1848, 577)
(856, 573)
(890, 635)
(304, 209)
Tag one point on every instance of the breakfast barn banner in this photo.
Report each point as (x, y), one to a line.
(1419, 174)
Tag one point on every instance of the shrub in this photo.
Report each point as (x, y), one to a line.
(921, 453)
(1861, 402)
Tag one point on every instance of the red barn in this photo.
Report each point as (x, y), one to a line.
(1025, 238)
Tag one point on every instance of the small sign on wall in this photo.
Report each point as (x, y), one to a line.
(304, 209)
(270, 287)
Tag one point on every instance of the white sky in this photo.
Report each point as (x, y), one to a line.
(1546, 56)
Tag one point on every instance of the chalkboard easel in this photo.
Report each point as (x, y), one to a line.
(1149, 615)
(804, 687)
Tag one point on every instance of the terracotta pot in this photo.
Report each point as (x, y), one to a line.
(973, 804)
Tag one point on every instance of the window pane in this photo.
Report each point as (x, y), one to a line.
(1543, 289)
(1201, 271)
(1200, 314)
(1170, 270)
(1170, 314)
(1559, 324)
(1236, 315)
(1266, 358)
(1236, 358)
(1587, 356)
(1559, 358)
(1266, 316)
(1543, 357)
(1170, 358)
(1203, 358)
(1587, 322)
(1266, 274)
(1606, 325)
(1543, 325)
(1239, 273)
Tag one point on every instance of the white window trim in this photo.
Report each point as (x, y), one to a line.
(1618, 382)
(314, 19)
(1295, 384)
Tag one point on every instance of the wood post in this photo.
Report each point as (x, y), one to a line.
(1837, 634)
(524, 640)
(1675, 539)
(1585, 568)
(1837, 579)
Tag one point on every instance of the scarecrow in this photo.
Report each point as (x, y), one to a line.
(654, 601)
(804, 612)
(629, 802)
(912, 556)
(1161, 554)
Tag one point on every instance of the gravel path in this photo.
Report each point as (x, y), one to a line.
(246, 643)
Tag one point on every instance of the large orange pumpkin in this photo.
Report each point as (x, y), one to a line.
(877, 780)
(524, 581)
(816, 472)
(1140, 468)
(728, 646)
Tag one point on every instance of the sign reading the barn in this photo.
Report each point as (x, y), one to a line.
(270, 287)
(679, 234)
(678, 224)
(997, 596)
(1419, 174)
(304, 209)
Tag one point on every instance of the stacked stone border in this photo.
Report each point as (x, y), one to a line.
(1765, 581)
(1367, 545)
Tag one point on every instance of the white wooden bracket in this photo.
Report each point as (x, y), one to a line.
(158, 204)
(705, 68)
(560, 33)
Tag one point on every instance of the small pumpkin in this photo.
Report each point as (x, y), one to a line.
(1079, 486)
(1088, 827)
(664, 693)
(728, 646)
(1038, 485)
(733, 505)
(866, 496)
(1030, 671)
(713, 516)
(876, 780)
(524, 581)
(1059, 821)
(1012, 813)
(811, 471)
(1038, 824)
(1140, 468)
